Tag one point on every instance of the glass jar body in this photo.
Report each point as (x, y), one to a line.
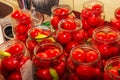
(60, 12)
(14, 56)
(83, 67)
(49, 57)
(92, 15)
(112, 65)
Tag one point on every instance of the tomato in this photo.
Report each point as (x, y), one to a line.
(93, 21)
(106, 77)
(35, 32)
(51, 53)
(114, 72)
(115, 23)
(31, 44)
(16, 48)
(78, 36)
(72, 76)
(85, 14)
(61, 11)
(71, 45)
(10, 63)
(97, 7)
(43, 74)
(21, 29)
(100, 35)
(63, 37)
(54, 22)
(85, 24)
(22, 62)
(16, 14)
(85, 72)
(15, 76)
(60, 68)
(21, 37)
(69, 25)
(91, 56)
(78, 55)
(111, 36)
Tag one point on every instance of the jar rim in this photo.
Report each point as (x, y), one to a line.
(105, 29)
(45, 44)
(85, 46)
(61, 6)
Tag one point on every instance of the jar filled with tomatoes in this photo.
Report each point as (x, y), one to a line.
(60, 12)
(111, 69)
(37, 35)
(15, 59)
(70, 33)
(49, 62)
(92, 15)
(106, 40)
(84, 63)
(22, 22)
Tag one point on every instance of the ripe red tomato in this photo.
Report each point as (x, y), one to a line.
(21, 29)
(85, 24)
(111, 36)
(71, 45)
(15, 76)
(54, 21)
(100, 35)
(115, 23)
(85, 14)
(91, 56)
(16, 14)
(35, 32)
(78, 55)
(9, 63)
(78, 36)
(21, 62)
(43, 74)
(114, 72)
(60, 68)
(63, 37)
(31, 44)
(97, 7)
(21, 37)
(51, 53)
(61, 11)
(69, 25)
(93, 21)
(16, 48)
(85, 72)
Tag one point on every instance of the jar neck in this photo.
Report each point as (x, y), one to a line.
(87, 47)
(41, 47)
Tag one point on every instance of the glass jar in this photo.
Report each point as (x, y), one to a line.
(111, 69)
(106, 39)
(84, 63)
(92, 15)
(60, 12)
(22, 22)
(15, 59)
(49, 61)
(37, 35)
(70, 30)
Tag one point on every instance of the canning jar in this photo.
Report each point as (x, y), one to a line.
(106, 39)
(22, 22)
(111, 69)
(92, 15)
(15, 62)
(60, 12)
(49, 61)
(70, 30)
(37, 35)
(84, 63)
